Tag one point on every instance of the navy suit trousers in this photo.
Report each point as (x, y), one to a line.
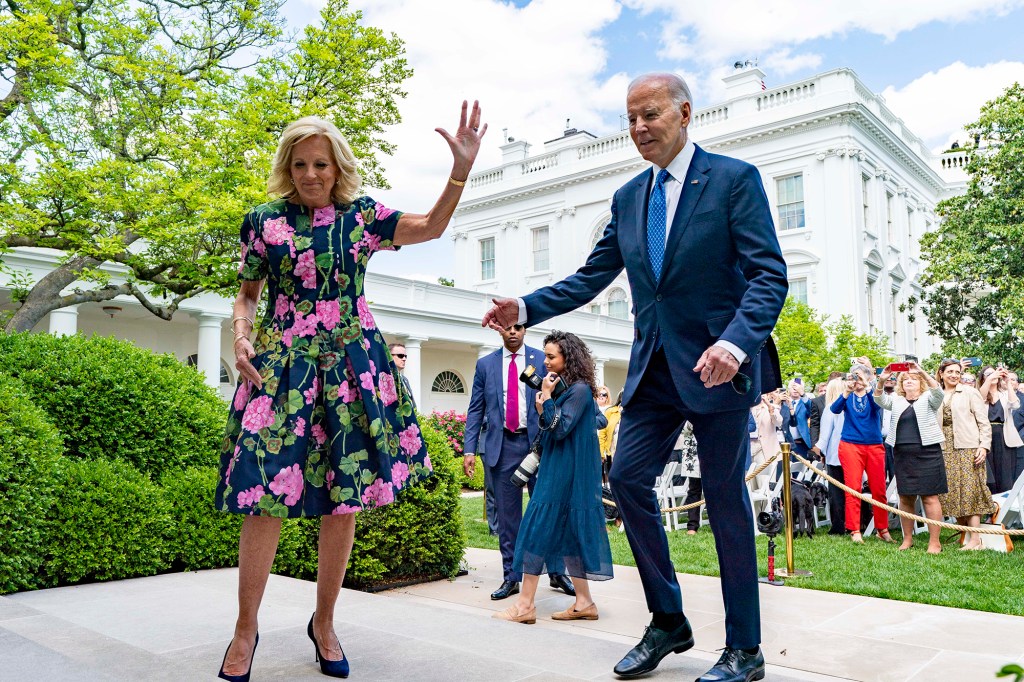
(650, 424)
(508, 498)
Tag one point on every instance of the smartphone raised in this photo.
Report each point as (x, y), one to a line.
(899, 366)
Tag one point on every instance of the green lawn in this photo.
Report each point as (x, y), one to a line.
(984, 581)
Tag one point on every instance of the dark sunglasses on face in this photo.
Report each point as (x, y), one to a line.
(400, 356)
(602, 395)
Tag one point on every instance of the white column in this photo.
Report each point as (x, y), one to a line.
(414, 367)
(208, 360)
(64, 321)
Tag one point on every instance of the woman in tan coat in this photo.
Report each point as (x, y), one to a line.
(968, 438)
(768, 417)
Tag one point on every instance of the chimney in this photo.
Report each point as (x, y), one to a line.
(514, 150)
(744, 81)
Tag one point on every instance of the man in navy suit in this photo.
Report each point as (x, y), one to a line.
(695, 236)
(796, 419)
(505, 405)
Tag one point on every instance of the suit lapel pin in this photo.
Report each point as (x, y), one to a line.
(694, 182)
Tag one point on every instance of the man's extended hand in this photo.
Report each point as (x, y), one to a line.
(717, 366)
(469, 465)
(503, 315)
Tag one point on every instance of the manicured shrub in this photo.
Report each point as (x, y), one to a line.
(108, 522)
(114, 401)
(452, 426)
(419, 535)
(30, 449)
(202, 536)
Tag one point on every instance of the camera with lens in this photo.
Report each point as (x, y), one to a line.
(528, 467)
(535, 381)
(770, 521)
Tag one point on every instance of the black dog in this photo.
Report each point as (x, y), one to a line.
(803, 509)
(819, 493)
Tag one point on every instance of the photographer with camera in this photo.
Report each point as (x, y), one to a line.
(860, 447)
(501, 402)
(563, 530)
(1001, 402)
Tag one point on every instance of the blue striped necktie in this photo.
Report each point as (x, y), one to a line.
(657, 215)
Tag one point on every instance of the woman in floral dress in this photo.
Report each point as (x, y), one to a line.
(320, 424)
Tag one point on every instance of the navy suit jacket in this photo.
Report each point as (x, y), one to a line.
(723, 278)
(803, 416)
(487, 404)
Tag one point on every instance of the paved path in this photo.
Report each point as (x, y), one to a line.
(175, 627)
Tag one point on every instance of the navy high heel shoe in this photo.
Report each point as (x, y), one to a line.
(238, 678)
(329, 668)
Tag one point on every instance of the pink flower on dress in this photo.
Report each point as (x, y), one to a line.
(288, 482)
(399, 474)
(365, 316)
(328, 313)
(277, 231)
(231, 464)
(319, 435)
(378, 493)
(346, 509)
(386, 382)
(366, 344)
(366, 380)
(323, 216)
(300, 427)
(410, 440)
(346, 392)
(258, 414)
(282, 306)
(303, 326)
(359, 219)
(242, 394)
(383, 211)
(306, 269)
(310, 393)
(250, 497)
(329, 478)
(259, 247)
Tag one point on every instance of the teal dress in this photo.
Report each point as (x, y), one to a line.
(332, 429)
(563, 530)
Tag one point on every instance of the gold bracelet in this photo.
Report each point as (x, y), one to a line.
(242, 317)
(457, 183)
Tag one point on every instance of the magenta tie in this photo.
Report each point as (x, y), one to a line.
(512, 398)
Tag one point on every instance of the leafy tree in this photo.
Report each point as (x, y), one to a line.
(135, 133)
(812, 347)
(975, 274)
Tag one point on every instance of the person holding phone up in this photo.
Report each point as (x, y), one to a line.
(563, 530)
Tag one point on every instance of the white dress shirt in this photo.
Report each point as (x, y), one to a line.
(506, 360)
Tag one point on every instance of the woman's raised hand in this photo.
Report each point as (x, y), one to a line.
(465, 143)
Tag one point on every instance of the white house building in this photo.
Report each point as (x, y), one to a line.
(851, 188)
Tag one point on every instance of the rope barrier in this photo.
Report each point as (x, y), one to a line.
(694, 505)
(900, 512)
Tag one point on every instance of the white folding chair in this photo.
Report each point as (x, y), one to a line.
(663, 489)
(1011, 504)
(892, 497)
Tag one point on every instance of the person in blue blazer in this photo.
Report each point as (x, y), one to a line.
(511, 426)
(695, 235)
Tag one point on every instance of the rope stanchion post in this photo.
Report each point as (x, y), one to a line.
(787, 509)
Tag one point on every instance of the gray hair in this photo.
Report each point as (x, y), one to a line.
(678, 90)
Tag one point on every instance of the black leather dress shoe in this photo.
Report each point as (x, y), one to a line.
(507, 589)
(655, 645)
(736, 665)
(562, 582)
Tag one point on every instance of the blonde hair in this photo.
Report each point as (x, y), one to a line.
(280, 181)
(833, 390)
(919, 374)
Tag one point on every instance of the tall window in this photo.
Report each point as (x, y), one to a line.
(865, 186)
(487, 258)
(869, 293)
(540, 249)
(894, 312)
(595, 308)
(617, 305)
(798, 290)
(910, 229)
(790, 193)
(890, 218)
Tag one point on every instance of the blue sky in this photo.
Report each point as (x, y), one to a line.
(532, 64)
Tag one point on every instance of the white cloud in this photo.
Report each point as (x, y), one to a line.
(715, 32)
(783, 62)
(937, 105)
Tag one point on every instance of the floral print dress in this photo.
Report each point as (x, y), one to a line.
(332, 430)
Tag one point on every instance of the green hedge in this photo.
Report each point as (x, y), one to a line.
(113, 400)
(203, 536)
(30, 449)
(108, 522)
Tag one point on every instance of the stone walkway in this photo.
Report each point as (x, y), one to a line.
(175, 627)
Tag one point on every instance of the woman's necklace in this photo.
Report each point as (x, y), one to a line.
(860, 402)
